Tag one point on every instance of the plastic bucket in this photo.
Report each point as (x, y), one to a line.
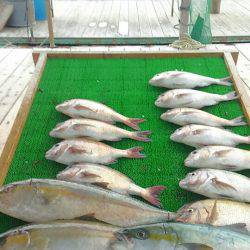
(40, 10)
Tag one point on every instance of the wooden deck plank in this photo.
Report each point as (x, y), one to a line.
(145, 29)
(123, 26)
(134, 26)
(113, 20)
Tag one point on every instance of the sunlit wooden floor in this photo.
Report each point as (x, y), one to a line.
(131, 18)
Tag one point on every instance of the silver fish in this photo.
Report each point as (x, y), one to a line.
(85, 150)
(215, 183)
(96, 130)
(63, 235)
(219, 157)
(216, 212)
(185, 80)
(200, 136)
(190, 98)
(83, 108)
(185, 116)
(110, 179)
(172, 236)
(41, 200)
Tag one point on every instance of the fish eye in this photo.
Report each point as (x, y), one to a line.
(56, 145)
(190, 210)
(194, 152)
(142, 234)
(193, 174)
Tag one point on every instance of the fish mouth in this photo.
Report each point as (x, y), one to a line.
(152, 81)
(183, 184)
(187, 162)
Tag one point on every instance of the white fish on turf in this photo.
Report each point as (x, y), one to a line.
(185, 116)
(190, 98)
(215, 183)
(96, 130)
(62, 235)
(83, 108)
(109, 178)
(42, 200)
(185, 80)
(199, 136)
(84, 150)
(219, 157)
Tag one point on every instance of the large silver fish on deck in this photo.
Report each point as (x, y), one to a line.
(215, 183)
(84, 150)
(110, 179)
(96, 130)
(200, 136)
(190, 98)
(77, 235)
(185, 80)
(62, 235)
(41, 200)
(219, 157)
(215, 212)
(83, 108)
(173, 236)
(185, 116)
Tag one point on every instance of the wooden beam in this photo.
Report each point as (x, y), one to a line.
(16, 130)
(50, 24)
(184, 17)
(239, 85)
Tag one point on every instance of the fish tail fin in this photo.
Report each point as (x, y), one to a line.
(231, 96)
(151, 194)
(133, 122)
(141, 136)
(238, 121)
(227, 81)
(135, 153)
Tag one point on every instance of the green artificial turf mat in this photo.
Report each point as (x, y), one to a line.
(123, 85)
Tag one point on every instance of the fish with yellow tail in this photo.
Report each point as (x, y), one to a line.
(42, 200)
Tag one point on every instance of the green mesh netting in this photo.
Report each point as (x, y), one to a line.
(199, 23)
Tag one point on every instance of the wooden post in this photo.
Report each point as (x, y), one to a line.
(50, 24)
(184, 17)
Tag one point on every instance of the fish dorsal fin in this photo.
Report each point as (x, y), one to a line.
(222, 185)
(238, 227)
(214, 214)
(221, 153)
(194, 246)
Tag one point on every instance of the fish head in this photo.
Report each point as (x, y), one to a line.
(15, 240)
(196, 157)
(180, 133)
(63, 107)
(193, 180)
(9, 195)
(56, 151)
(170, 114)
(161, 99)
(58, 130)
(193, 213)
(68, 173)
(153, 236)
(157, 79)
